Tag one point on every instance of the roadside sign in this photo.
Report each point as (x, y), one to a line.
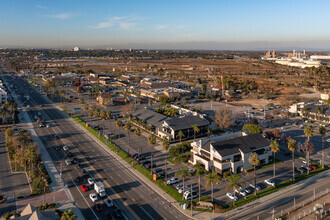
(86, 125)
(154, 177)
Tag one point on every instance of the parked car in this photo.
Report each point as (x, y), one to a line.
(257, 187)
(79, 165)
(78, 179)
(191, 171)
(172, 181)
(93, 197)
(108, 202)
(84, 172)
(305, 161)
(90, 181)
(148, 166)
(248, 190)
(231, 196)
(157, 170)
(56, 136)
(241, 191)
(68, 162)
(118, 213)
(305, 167)
(187, 189)
(84, 187)
(66, 148)
(57, 148)
(141, 158)
(270, 182)
(313, 167)
(188, 195)
(70, 154)
(48, 125)
(98, 207)
(301, 170)
(134, 156)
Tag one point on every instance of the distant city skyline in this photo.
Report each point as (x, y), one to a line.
(170, 24)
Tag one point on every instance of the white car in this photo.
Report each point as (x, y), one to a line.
(328, 140)
(172, 181)
(90, 181)
(187, 195)
(187, 189)
(231, 196)
(247, 190)
(68, 162)
(93, 197)
(255, 187)
(270, 182)
(241, 191)
(48, 125)
(305, 161)
(66, 148)
(109, 202)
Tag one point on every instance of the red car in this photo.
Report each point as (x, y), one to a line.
(84, 187)
(313, 167)
(98, 207)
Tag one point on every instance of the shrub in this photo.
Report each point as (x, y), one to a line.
(227, 173)
(180, 149)
(7, 215)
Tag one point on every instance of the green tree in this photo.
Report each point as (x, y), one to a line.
(211, 178)
(274, 146)
(309, 132)
(209, 131)
(180, 135)
(68, 215)
(254, 160)
(292, 146)
(233, 184)
(81, 100)
(109, 114)
(196, 130)
(164, 100)
(253, 129)
(322, 131)
(119, 123)
(182, 174)
(137, 132)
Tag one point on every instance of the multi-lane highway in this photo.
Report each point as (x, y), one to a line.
(132, 195)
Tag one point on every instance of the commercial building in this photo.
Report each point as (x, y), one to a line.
(230, 152)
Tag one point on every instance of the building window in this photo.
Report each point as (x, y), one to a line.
(237, 158)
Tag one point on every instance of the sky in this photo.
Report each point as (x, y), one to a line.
(166, 24)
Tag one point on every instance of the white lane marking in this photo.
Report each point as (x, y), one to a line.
(85, 200)
(146, 212)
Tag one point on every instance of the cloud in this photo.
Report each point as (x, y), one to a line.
(62, 16)
(41, 7)
(166, 27)
(123, 23)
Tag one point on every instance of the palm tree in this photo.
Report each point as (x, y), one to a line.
(119, 123)
(86, 107)
(200, 171)
(128, 128)
(309, 133)
(166, 146)
(152, 142)
(322, 131)
(196, 130)
(137, 132)
(180, 135)
(274, 147)
(233, 184)
(292, 145)
(211, 177)
(109, 114)
(183, 173)
(254, 160)
(68, 215)
(209, 131)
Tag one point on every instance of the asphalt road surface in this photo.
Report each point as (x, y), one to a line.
(130, 194)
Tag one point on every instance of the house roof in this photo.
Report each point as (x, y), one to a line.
(105, 95)
(246, 144)
(29, 209)
(186, 122)
(150, 116)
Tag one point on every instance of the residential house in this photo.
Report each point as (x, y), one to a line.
(313, 110)
(3, 95)
(103, 98)
(230, 152)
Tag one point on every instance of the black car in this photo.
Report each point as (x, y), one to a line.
(148, 166)
(134, 156)
(141, 158)
(57, 148)
(56, 136)
(161, 174)
(157, 170)
(74, 159)
(78, 179)
(70, 154)
(79, 165)
(118, 213)
(84, 172)
(145, 162)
